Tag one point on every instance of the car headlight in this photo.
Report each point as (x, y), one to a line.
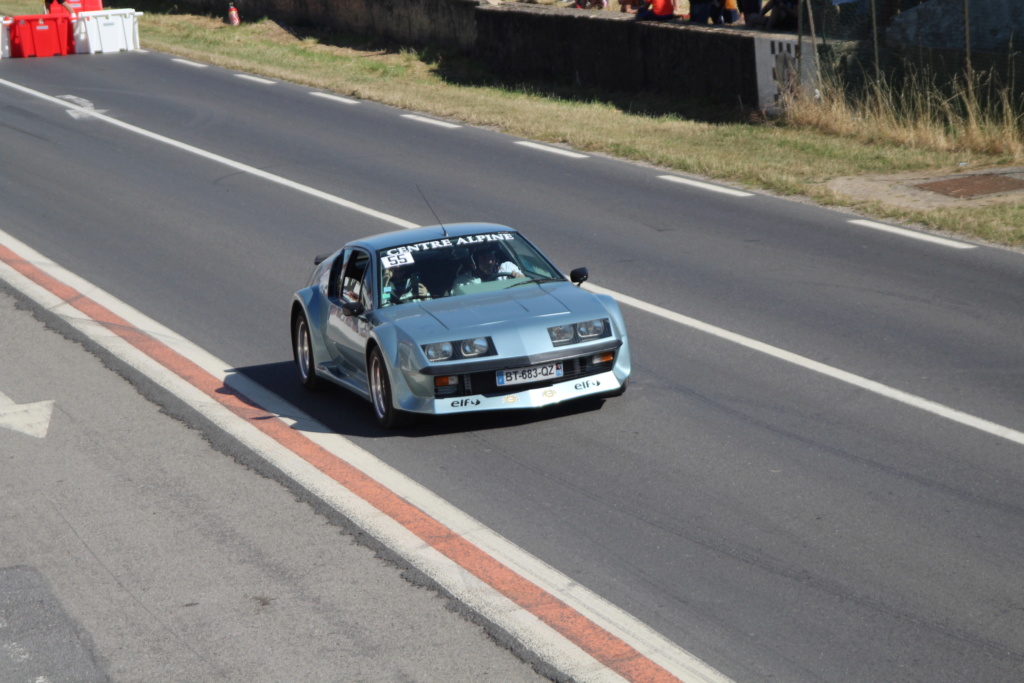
(592, 329)
(463, 348)
(562, 335)
(440, 351)
(471, 348)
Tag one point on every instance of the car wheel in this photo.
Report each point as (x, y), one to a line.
(303, 346)
(380, 394)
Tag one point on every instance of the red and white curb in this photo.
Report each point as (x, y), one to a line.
(571, 629)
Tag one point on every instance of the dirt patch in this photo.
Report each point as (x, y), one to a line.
(926, 191)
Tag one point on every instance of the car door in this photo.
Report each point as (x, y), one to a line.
(347, 334)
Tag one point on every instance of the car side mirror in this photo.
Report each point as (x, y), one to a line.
(320, 259)
(350, 308)
(578, 276)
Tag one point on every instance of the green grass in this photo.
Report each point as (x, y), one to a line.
(795, 155)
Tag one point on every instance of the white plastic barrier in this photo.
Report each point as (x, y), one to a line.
(5, 37)
(109, 30)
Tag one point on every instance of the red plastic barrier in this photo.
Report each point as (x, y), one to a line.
(41, 35)
(73, 6)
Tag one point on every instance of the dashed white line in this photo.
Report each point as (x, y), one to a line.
(336, 98)
(553, 150)
(434, 122)
(706, 186)
(913, 234)
(255, 79)
(189, 63)
(880, 389)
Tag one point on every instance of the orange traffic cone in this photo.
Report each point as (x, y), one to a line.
(233, 15)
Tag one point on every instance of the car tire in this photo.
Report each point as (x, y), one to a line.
(302, 346)
(380, 393)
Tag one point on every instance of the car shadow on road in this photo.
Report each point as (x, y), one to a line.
(334, 410)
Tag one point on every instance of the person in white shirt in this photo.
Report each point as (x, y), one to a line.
(486, 268)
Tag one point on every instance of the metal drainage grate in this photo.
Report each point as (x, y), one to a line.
(974, 185)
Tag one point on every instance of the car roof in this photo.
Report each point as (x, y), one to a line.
(425, 234)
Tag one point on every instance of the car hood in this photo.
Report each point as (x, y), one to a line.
(509, 308)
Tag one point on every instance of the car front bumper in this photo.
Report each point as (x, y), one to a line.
(603, 383)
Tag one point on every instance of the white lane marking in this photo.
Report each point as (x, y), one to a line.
(913, 234)
(881, 389)
(536, 636)
(245, 168)
(255, 79)
(435, 122)
(336, 98)
(553, 150)
(827, 370)
(189, 63)
(706, 186)
(32, 419)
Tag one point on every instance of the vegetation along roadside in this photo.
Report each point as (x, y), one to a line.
(867, 157)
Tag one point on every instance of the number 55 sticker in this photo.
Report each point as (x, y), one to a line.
(395, 260)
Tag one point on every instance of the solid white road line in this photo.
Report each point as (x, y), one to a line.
(827, 370)
(434, 122)
(880, 389)
(706, 186)
(913, 234)
(245, 168)
(553, 150)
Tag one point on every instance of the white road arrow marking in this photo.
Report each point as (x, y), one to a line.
(30, 418)
(84, 104)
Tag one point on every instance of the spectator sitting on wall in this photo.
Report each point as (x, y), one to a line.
(700, 11)
(776, 15)
(590, 4)
(630, 6)
(725, 12)
(659, 10)
(750, 7)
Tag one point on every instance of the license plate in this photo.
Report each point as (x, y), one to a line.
(534, 373)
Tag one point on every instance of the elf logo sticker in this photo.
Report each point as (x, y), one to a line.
(464, 402)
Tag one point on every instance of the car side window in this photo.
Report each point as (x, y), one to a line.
(352, 279)
(366, 289)
(334, 279)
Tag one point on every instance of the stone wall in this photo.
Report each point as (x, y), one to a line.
(611, 50)
(523, 42)
(997, 26)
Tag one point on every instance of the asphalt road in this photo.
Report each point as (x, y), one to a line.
(132, 550)
(778, 519)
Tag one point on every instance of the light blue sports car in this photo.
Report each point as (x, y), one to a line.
(455, 319)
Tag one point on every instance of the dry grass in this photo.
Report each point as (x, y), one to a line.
(795, 155)
(920, 115)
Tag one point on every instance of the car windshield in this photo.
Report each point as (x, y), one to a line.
(455, 266)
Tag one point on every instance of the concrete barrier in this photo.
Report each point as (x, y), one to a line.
(605, 50)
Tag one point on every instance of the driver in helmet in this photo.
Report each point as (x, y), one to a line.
(401, 284)
(486, 268)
